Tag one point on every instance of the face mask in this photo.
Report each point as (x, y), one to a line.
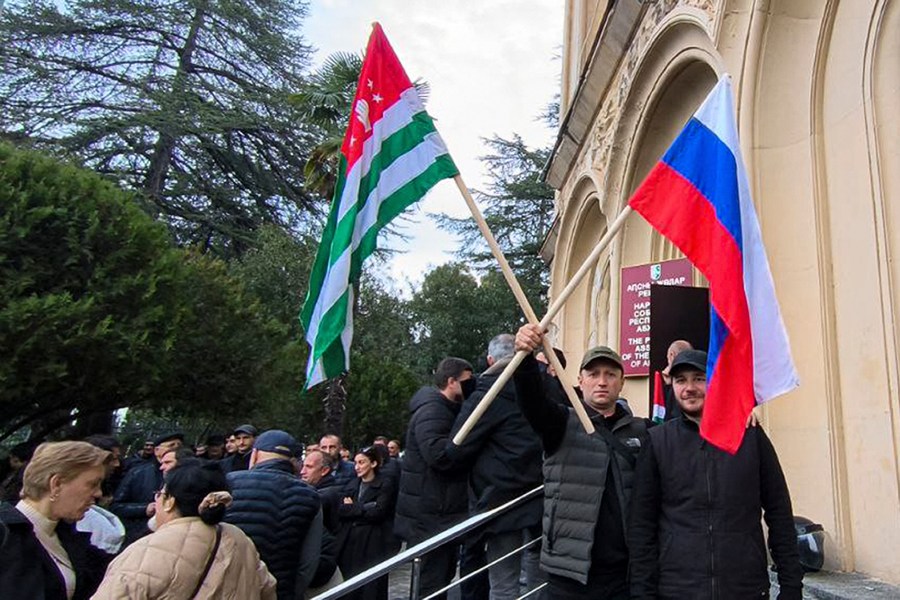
(468, 386)
(151, 523)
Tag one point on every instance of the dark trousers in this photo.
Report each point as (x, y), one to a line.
(471, 559)
(563, 588)
(438, 569)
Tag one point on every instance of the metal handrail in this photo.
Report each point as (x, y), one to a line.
(484, 568)
(410, 554)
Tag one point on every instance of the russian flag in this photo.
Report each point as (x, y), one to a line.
(698, 197)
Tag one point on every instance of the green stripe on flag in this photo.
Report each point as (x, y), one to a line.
(397, 202)
(396, 146)
(323, 254)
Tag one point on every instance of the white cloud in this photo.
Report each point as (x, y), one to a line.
(491, 69)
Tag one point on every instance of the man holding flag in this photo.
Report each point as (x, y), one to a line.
(391, 156)
(695, 514)
(704, 480)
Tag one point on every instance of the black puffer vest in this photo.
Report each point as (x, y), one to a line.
(275, 509)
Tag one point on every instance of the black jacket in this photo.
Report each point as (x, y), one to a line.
(695, 518)
(133, 495)
(275, 509)
(433, 490)
(330, 495)
(27, 572)
(504, 453)
(235, 462)
(364, 536)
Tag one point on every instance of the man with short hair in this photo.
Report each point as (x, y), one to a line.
(671, 403)
(133, 501)
(704, 506)
(279, 512)
(343, 470)
(503, 454)
(433, 490)
(393, 447)
(587, 478)
(244, 436)
(317, 472)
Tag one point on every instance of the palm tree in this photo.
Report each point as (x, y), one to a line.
(326, 103)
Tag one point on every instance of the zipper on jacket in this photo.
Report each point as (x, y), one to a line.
(709, 522)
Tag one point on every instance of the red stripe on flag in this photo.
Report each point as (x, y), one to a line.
(729, 397)
(381, 81)
(677, 209)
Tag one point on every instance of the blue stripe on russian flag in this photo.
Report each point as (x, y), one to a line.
(704, 160)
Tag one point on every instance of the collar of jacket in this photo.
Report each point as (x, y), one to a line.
(275, 464)
(498, 366)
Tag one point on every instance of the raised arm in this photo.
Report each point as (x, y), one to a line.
(545, 416)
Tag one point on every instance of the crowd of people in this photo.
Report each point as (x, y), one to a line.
(632, 510)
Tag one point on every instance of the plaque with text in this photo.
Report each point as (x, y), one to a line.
(634, 323)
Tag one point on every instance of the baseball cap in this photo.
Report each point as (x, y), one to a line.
(695, 359)
(276, 441)
(167, 437)
(246, 428)
(604, 352)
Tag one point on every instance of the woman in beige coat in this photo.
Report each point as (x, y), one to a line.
(191, 554)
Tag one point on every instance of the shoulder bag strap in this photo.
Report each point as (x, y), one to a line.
(212, 556)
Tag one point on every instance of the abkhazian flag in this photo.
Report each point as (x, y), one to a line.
(659, 398)
(391, 156)
(698, 196)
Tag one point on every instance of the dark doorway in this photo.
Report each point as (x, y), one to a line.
(676, 313)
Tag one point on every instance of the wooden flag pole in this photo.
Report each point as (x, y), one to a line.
(524, 304)
(555, 307)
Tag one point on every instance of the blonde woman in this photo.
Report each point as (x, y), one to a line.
(191, 554)
(44, 557)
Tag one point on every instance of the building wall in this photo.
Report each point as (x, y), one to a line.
(817, 85)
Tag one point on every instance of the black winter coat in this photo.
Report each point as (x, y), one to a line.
(330, 493)
(695, 518)
(275, 509)
(504, 452)
(234, 463)
(433, 490)
(364, 537)
(27, 572)
(133, 495)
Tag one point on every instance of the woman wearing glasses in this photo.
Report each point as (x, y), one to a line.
(192, 554)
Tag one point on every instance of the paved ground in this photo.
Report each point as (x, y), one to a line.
(817, 586)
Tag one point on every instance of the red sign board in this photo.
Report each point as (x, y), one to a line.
(634, 322)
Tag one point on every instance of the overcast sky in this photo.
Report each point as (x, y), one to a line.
(492, 67)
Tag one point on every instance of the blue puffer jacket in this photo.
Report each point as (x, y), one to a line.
(275, 509)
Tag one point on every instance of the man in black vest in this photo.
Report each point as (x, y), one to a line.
(279, 512)
(587, 478)
(695, 527)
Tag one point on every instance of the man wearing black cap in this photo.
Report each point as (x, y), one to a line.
(133, 501)
(587, 478)
(695, 527)
(244, 436)
(279, 512)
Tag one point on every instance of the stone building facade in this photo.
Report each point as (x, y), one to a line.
(817, 88)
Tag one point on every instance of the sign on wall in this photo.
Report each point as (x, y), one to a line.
(634, 316)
